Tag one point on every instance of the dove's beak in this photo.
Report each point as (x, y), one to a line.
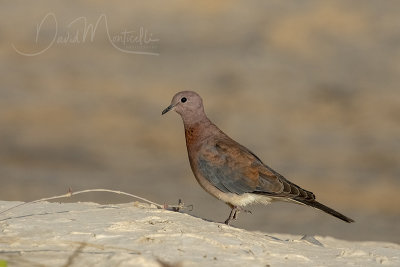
(167, 109)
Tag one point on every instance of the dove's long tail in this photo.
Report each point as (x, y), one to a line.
(317, 205)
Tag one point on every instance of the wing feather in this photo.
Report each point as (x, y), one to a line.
(232, 168)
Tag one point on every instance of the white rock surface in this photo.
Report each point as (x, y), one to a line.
(135, 234)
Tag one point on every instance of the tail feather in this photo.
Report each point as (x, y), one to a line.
(317, 205)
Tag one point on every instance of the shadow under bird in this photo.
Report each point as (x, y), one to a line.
(229, 171)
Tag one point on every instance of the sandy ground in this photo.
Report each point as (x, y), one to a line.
(135, 234)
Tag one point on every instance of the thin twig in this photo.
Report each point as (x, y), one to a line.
(74, 255)
(70, 194)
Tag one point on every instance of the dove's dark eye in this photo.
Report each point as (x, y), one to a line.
(183, 99)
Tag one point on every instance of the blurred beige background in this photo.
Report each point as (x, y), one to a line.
(312, 87)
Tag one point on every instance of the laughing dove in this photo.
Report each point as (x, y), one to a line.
(229, 171)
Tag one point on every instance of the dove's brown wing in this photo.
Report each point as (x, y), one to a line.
(232, 168)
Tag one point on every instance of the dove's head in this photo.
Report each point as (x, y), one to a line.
(189, 105)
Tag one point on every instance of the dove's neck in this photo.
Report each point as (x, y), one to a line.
(195, 117)
(197, 129)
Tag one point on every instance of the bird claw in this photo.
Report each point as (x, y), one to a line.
(234, 213)
(227, 221)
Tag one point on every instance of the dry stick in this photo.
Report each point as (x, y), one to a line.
(70, 194)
